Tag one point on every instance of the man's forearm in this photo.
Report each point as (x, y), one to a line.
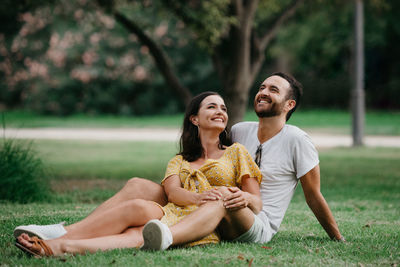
(324, 215)
(316, 201)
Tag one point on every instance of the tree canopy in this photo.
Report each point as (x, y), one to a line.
(141, 57)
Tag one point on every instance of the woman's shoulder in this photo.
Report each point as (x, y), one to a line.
(237, 147)
(176, 159)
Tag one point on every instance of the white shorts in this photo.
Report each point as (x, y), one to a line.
(259, 232)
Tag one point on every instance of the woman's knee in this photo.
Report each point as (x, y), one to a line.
(224, 191)
(133, 183)
(136, 188)
(135, 205)
(144, 209)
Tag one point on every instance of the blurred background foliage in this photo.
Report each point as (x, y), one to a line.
(66, 57)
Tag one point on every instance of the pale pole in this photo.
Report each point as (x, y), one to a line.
(358, 95)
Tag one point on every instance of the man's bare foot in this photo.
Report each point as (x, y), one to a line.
(40, 247)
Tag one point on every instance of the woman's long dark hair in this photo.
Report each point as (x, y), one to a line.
(190, 144)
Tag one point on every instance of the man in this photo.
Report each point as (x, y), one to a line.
(285, 155)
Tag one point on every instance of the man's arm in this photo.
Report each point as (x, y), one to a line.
(316, 201)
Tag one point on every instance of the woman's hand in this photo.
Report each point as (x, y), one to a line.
(210, 195)
(237, 200)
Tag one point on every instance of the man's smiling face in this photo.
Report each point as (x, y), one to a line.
(271, 97)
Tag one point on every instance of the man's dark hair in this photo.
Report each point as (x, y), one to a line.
(190, 144)
(295, 93)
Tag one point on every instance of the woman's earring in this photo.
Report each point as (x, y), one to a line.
(198, 131)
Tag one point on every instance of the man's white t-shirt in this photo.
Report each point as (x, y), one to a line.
(286, 157)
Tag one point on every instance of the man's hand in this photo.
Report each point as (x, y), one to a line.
(237, 200)
(210, 195)
(341, 239)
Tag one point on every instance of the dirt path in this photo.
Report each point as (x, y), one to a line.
(150, 134)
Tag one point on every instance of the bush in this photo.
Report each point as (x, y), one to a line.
(22, 175)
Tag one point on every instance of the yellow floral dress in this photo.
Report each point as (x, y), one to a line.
(228, 170)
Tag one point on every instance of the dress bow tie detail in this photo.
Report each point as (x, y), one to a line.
(196, 181)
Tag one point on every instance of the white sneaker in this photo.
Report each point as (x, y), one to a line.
(156, 235)
(44, 232)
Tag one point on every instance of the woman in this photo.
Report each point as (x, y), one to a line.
(206, 160)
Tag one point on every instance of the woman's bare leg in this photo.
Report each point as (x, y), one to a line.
(115, 220)
(131, 238)
(208, 217)
(135, 188)
(198, 224)
(108, 230)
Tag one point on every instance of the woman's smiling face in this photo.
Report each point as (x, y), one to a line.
(212, 113)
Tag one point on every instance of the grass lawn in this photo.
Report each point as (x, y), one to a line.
(25, 119)
(88, 170)
(362, 187)
(328, 121)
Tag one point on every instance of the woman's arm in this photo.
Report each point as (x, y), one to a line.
(249, 196)
(182, 197)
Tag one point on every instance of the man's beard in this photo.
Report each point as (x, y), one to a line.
(274, 110)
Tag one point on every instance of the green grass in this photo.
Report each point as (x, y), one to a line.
(329, 121)
(105, 160)
(22, 175)
(362, 187)
(24, 119)
(89, 171)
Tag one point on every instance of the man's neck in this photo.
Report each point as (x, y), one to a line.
(269, 127)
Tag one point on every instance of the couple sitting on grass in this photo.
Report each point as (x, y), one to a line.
(211, 190)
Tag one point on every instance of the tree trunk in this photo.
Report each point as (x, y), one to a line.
(358, 94)
(236, 100)
(240, 56)
(235, 66)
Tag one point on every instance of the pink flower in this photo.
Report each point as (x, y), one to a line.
(161, 30)
(140, 73)
(81, 75)
(89, 57)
